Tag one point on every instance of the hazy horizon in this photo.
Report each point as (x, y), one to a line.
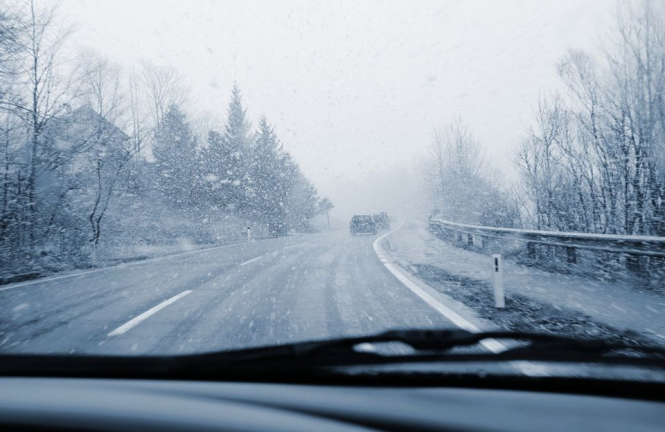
(355, 87)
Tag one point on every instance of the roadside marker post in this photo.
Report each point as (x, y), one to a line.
(249, 233)
(497, 281)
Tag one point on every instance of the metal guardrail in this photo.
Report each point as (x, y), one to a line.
(631, 245)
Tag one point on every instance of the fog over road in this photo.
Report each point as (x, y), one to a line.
(259, 293)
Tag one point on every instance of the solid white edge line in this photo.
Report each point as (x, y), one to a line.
(251, 261)
(444, 310)
(147, 314)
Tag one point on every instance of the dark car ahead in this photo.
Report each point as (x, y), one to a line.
(362, 224)
(382, 221)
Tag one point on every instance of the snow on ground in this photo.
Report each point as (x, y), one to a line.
(612, 303)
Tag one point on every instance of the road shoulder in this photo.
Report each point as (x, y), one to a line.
(457, 312)
(463, 276)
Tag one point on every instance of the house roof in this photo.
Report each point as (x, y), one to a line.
(83, 120)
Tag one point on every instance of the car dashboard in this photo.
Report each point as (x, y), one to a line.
(123, 405)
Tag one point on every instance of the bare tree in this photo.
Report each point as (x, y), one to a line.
(111, 149)
(325, 205)
(163, 87)
(9, 46)
(100, 86)
(45, 92)
(463, 186)
(139, 131)
(593, 159)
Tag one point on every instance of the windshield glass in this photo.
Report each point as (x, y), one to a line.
(187, 177)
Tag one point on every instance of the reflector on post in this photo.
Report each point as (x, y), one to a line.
(497, 281)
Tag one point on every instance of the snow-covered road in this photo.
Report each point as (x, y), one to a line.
(251, 294)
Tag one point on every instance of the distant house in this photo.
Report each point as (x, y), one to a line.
(84, 132)
(79, 146)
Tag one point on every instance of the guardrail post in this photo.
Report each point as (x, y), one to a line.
(497, 281)
(657, 268)
(571, 255)
(459, 237)
(633, 264)
(531, 250)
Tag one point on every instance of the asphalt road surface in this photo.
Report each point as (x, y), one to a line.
(252, 294)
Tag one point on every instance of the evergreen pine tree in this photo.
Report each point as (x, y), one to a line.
(267, 175)
(174, 151)
(237, 143)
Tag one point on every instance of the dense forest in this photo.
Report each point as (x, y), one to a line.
(96, 158)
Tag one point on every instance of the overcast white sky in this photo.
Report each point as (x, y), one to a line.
(353, 86)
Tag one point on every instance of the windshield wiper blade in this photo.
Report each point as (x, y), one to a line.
(438, 341)
(435, 346)
(429, 346)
